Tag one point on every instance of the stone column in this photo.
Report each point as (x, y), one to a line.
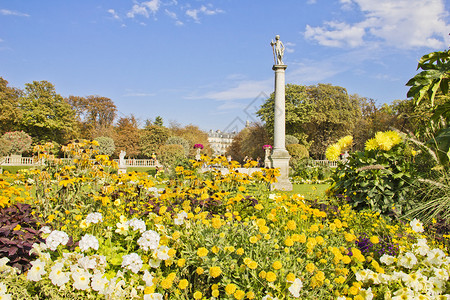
(280, 156)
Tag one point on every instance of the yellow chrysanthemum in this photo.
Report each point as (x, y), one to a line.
(371, 144)
(230, 288)
(277, 265)
(271, 276)
(345, 142)
(202, 252)
(333, 152)
(215, 271)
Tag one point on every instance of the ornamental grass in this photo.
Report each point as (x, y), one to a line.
(205, 235)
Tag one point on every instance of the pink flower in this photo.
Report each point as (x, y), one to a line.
(198, 146)
(267, 147)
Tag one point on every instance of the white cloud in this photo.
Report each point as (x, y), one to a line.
(243, 90)
(174, 16)
(145, 9)
(289, 47)
(194, 13)
(113, 14)
(399, 23)
(7, 12)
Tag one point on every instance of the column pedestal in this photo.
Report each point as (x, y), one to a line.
(280, 156)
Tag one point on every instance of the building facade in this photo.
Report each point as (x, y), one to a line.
(220, 141)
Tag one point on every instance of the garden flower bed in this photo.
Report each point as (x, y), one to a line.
(90, 234)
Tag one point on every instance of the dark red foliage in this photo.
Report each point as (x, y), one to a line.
(16, 244)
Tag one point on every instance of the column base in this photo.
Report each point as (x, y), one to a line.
(280, 159)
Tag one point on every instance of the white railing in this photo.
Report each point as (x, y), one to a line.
(129, 162)
(324, 162)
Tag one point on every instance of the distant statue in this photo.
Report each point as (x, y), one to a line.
(122, 158)
(278, 50)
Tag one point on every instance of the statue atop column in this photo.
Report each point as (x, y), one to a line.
(278, 50)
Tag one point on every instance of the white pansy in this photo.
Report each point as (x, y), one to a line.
(295, 288)
(154, 263)
(387, 259)
(137, 224)
(366, 294)
(87, 263)
(99, 283)
(87, 242)
(153, 296)
(3, 288)
(58, 276)
(132, 262)
(94, 218)
(81, 280)
(46, 230)
(55, 239)
(36, 271)
(162, 253)
(148, 278)
(179, 219)
(435, 256)
(149, 240)
(408, 260)
(416, 225)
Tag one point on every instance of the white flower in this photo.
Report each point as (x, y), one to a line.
(162, 253)
(296, 287)
(3, 288)
(55, 239)
(435, 256)
(361, 275)
(94, 218)
(366, 294)
(416, 225)
(87, 263)
(122, 228)
(137, 224)
(154, 263)
(148, 278)
(5, 297)
(81, 280)
(57, 276)
(99, 283)
(387, 259)
(36, 271)
(132, 262)
(153, 296)
(46, 229)
(421, 247)
(441, 273)
(408, 260)
(268, 297)
(87, 242)
(149, 240)
(179, 220)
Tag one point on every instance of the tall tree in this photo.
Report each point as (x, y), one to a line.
(249, 142)
(152, 138)
(46, 115)
(194, 135)
(10, 113)
(317, 115)
(126, 136)
(95, 114)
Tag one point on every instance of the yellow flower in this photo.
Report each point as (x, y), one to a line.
(166, 283)
(215, 293)
(239, 294)
(230, 288)
(264, 229)
(291, 225)
(271, 276)
(198, 295)
(201, 252)
(250, 295)
(252, 264)
(183, 284)
(253, 239)
(290, 277)
(17, 227)
(310, 267)
(215, 271)
(215, 249)
(181, 262)
(240, 251)
(277, 265)
(262, 274)
(288, 242)
(345, 142)
(371, 144)
(332, 153)
(374, 240)
(200, 270)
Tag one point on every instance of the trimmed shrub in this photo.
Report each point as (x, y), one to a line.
(297, 151)
(20, 142)
(168, 155)
(290, 139)
(106, 145)
(176, 140)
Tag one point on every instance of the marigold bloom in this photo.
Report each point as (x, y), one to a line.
(252, 265)
(181, 262)
(374, 240)
(310, 267)
(215, 293)
(198, 295)
(277, 265)
(183, 284)
(201, 252)
(200, 270)
(215, 271)
(271, 276)
(230, 288)
(291, 225)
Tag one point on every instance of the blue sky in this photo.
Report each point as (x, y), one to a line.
(209, 63)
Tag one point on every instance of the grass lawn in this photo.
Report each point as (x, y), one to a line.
(311, 191)
(149, 170)
(14, 169)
